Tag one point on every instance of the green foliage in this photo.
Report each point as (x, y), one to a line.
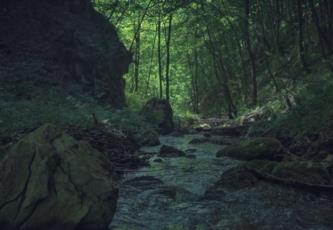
(314, 109)
(55, 106)
(135, 101)
(127, 119)
(313, 113)
(210, 66)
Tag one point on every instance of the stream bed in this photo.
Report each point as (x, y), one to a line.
(171, 194)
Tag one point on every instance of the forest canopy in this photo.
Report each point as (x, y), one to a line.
(223, 56)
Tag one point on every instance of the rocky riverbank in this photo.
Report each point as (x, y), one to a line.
(208, 187)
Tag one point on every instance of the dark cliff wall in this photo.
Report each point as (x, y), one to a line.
(63, 43)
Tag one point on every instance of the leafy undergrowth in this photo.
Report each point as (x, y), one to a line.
(58, 108)
(313, 112)
(307, 129)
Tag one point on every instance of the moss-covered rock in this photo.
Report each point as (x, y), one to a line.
(263, 148)
(307, 172)
(159, 112)
(262, 166)
(233, 179)
(48, 180)
(302, 171)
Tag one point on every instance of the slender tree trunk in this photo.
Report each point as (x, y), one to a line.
(151, 63)
(329, 6)
(244, 79)
(324, 41)
(137, 58)
(251, 54)
(194, 80)
(167, 73)
(159, 55)
(196, 77)
(301, 34)
(220, 70)
(277, 26)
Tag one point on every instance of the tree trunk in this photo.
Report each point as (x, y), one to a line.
(137, 57)
(167, 73)
(151, 63)
(220, 70)
(324, 41)
(159, 55)
(251, 54)
(301, 34)
(194, 81)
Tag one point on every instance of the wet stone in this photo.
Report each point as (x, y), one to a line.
(169, 151)
(158, 160)
(212, 193)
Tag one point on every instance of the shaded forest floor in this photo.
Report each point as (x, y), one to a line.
(304, 131)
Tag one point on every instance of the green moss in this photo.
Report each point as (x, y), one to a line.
(157, 116)
(261, 145)
(304, 171)
(261, 165)
(253, 149)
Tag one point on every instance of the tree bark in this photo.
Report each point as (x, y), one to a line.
(159, 55)
(251, 54)
(151, 63)
(167, 73)
(325, 42)
(220, 70)
(137, 57)
(301, 50)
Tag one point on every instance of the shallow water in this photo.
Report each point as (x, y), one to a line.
(171, 195)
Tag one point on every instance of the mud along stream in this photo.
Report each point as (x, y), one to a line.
(183, 193)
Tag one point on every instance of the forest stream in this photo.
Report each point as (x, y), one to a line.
(179, 193)
(166, 115)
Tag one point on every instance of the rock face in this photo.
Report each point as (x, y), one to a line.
(62, 43)
(263, 148)
(50, 181)
(159, 112)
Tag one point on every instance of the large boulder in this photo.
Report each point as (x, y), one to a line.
(48, 180)
(233, 179)
(66, 44)
(263, 148)
(159, 112)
